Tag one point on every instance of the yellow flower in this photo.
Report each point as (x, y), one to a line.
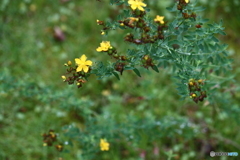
(137, 4)
(159, 19)
(83, 64)
(104, 145)
(64, 78)
(187, 1)
(104, 46)
(102, 33)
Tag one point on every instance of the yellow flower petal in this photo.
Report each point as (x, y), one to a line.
(131, 2)
(88, 63)
(83, 58)
(77, 61)
(85, 69)
(79, 68)
(141, 8)
(133, 7)
(143, 4)
(99, 49)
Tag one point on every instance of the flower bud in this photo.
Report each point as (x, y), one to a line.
(123, 58)
(146, 57)
(201, 98)
(100, 22)
(115, 55)
(185, 15)
(64, 78)
(191, 80)
(119, 67)
(146, 29)
(110, 52)
(193, 15)
(179, 7)
(194, 95)
(191, 83)
(198, 26)
(200, 81)
(196, 99)
(160, 36)
(59, 147)
(69, 63)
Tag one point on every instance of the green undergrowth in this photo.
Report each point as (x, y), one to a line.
(33, 98)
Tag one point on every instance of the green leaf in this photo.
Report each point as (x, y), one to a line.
(155, 68)
(199, 9)
(137, 72)
(116, 75)
(200, 32)
(210, 25)
(171, 9)
(222, 32)
(174, 42)
(128, 68)
(204, 20)
(215, 39)
(147, 9)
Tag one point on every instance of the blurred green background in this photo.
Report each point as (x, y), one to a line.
(37, 37)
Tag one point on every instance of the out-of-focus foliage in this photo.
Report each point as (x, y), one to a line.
(141, 117)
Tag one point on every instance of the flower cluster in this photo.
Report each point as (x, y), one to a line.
(105, 46)
(59, 147)
(120, 67)
(147, 61)
(104, 145)
(181, 5)
(195, 89)
(105, 27)
(50, 138)
(137, 22)
(79, 72)
(147, 35)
